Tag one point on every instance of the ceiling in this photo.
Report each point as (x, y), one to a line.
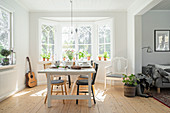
(164, 5)
(78, 5)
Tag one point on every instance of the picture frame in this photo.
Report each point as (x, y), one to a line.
(162, 40)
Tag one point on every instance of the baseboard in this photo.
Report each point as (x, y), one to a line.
(11, 93)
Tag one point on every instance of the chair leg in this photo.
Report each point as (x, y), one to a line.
(77, 93)
(93, 89)
(51, 89)
(69, 81)
(62, 92)
(105, 84)
(45, 99)
(93, 95)
(65, 88)
(46, 94)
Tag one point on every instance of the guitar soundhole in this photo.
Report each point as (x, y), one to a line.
(31, 76)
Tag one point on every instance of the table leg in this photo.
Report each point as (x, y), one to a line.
(49, 89)
(89, 89)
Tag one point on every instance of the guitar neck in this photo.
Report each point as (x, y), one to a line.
(29, 64)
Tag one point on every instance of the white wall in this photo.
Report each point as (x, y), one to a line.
(139, 7)
(13, 80)
(151, 21)
(120, 34)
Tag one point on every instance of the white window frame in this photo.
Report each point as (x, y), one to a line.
(109, 23)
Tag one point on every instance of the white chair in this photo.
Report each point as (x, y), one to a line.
(118, 67)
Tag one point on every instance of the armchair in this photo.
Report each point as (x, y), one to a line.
(116, 69)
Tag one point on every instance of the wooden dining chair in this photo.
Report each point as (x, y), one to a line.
(85, 83)
(57, 83)
(82, 77)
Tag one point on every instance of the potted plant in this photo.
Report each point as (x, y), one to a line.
(130, 85)
(105, 55)
(5, 53)
(48, 56)
(82, 54)
(43, 56)
(88, 56)
(70, 54)
(100, 57)
(64, 57)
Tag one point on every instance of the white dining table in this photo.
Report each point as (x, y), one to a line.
(71, 72)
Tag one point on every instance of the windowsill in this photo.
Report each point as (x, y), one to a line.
(7, 67)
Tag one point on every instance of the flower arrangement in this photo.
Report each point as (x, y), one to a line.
(70, 54)
(130, 80)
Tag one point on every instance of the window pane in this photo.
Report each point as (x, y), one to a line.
(4, 19)
(4, 39)
(84, 35)
(67, 37)
(107, 48)
(44, 37)
(68, 46)
(85, 48)
(51, 37)
(44, 49)
(101, 49)
(107, 34)
(101, 35)
(51, 50)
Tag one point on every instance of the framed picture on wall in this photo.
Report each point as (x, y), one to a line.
(162, 40)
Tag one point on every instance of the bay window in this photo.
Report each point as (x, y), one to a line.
(58, 37)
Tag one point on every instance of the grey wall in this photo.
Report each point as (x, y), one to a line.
(150, 21)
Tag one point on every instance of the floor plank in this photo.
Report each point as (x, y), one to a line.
(112, 100)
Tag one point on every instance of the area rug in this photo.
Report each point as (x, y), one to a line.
(163, 97)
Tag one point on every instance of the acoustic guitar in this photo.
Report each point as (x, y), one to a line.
(30, 76)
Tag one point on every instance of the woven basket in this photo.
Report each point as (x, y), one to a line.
(129, 91)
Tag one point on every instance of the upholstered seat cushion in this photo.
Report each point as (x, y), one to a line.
(115, 76)
(83, 76)
(57, 81)
(82, 82)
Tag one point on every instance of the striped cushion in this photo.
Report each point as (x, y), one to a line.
(83, 76)
(57, 81)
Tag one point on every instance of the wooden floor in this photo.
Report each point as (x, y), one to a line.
(31, 100)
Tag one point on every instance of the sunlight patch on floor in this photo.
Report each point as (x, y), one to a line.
(40, 93)
(100, 95)
(21, 93)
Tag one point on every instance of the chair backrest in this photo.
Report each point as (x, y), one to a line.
(47, 65)
(94, 74)
(119, 65)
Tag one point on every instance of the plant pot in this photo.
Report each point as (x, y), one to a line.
(43, 59)
(105, 59)
(88, 58)
(74, 59)
(100, 58)
(64, 59)
(129, 91)
(5, 61)
(47, 59)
